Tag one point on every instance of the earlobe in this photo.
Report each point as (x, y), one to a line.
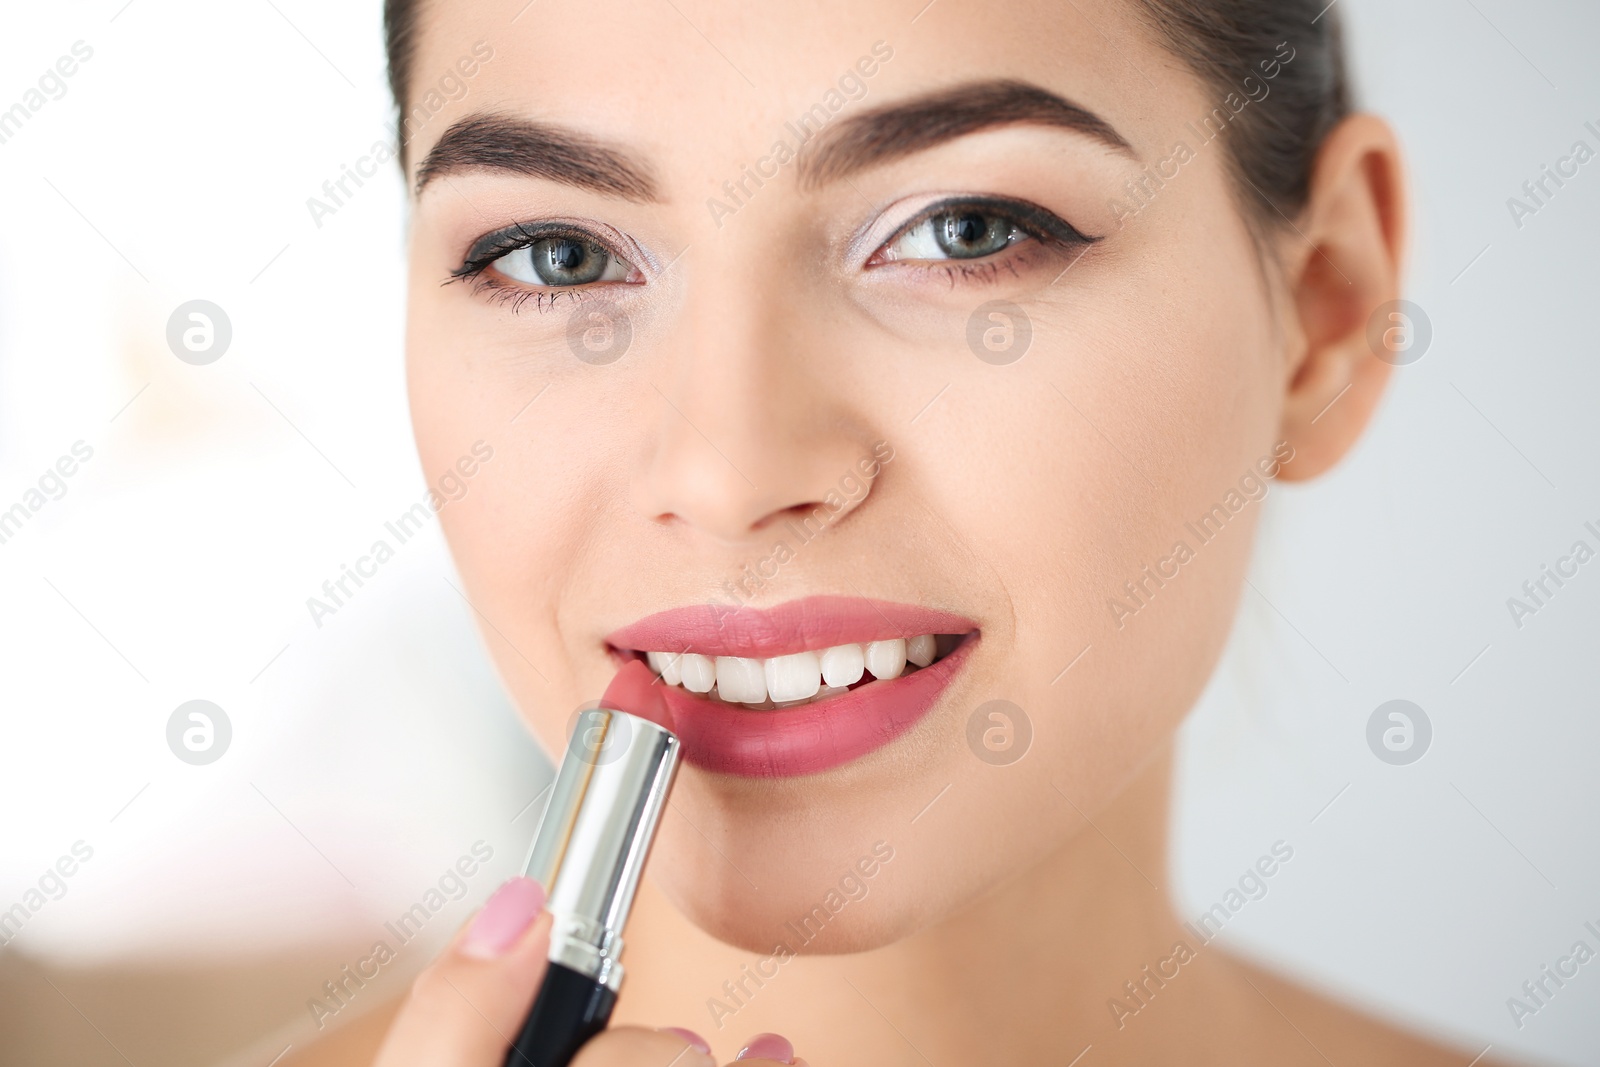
(1344, 267)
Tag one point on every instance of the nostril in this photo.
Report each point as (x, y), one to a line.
(806, 521)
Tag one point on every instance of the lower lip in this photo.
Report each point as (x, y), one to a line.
(811, 738)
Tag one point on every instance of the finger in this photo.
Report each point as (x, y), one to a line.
(767, 1050)
(635, 1046)
(466, 1007)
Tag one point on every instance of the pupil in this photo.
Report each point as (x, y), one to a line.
(965, 229)
(566, 255)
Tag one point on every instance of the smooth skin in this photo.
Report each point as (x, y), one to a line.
(767, 356)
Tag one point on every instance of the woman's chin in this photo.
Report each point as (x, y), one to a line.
(859, 917)
(767, 930)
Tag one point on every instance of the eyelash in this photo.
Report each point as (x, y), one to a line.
(491, 247)
(1035, 222)
(515, 296)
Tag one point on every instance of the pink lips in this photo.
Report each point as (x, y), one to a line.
(810, 738)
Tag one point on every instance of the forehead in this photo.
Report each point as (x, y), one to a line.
(700, 86)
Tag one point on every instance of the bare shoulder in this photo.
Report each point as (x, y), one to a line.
(1343, 1034)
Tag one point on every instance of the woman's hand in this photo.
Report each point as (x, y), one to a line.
(467, 1006)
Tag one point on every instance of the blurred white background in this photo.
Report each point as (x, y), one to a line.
(370, 753)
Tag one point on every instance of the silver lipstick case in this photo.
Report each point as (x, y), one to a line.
(595, 835)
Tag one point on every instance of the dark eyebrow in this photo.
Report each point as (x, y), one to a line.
(896, 130)
(538, 150)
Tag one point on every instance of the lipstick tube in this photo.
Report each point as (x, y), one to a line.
(589, 852)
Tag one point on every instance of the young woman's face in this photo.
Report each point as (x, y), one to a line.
(955, 373)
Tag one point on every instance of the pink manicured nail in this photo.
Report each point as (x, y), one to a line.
(690, 1036)
(767, 1047)
(503, 919)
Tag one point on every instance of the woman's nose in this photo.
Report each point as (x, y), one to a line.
(751, 427)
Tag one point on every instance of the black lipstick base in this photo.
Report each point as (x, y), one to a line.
(569, 1010)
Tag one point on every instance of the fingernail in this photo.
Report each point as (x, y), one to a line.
(767, 1047)
(690, 1036)
(503, 919)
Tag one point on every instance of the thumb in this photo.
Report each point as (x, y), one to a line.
(466, 1007)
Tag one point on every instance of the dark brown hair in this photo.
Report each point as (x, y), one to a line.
(1272, 143)
(400, 30)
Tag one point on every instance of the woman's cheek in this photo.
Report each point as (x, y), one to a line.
(502, 530)
(1162, 409)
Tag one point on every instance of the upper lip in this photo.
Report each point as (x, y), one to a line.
(808, 624)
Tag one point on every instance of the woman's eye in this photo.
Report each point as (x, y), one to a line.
(960, 234)
(561, 261)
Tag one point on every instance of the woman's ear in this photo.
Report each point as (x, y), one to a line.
(1344, 267)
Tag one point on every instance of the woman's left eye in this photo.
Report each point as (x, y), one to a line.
(561, 261)
(956, 232)
(964, 233)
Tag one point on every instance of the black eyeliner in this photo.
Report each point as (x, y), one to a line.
(491, 246)
(1040, 223)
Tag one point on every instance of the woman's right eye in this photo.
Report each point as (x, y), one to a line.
(561, 262)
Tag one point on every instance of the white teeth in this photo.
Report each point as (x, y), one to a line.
(887, 659)
(843, 665)
(699, 673)
(666, 664)
(920, 649)
(801, 677)
(740, 680)
(795, 677)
